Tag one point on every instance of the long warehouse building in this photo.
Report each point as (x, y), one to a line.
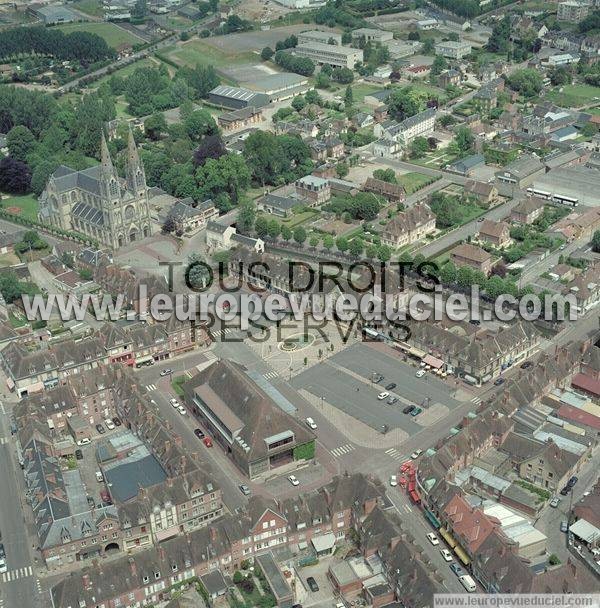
(335, 55)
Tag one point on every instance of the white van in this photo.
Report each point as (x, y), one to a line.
(468, 583)
(110, 425)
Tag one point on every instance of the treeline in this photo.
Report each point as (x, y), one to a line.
(84, 47)
(299, 65)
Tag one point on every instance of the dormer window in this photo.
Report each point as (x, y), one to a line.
(157, 575)
(174, 567)
(145, 580)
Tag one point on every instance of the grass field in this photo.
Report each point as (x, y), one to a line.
(196, 51)
(25, 206)
(575, 95)
(360, 90)
(90, 7)
(114, 35)
(413, 181)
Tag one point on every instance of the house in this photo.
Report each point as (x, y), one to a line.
(495, 233)
(189, 218)
(419, 125)
(466, 166)
(485, 193)
(409, 226)
(240, 119)
(449, 78)
(472, 256)
(363, 119)
(453, 49)
(528, 210)
(486, 99)
(218, 236)
(314, 190)
(281, 206)
(394, 193)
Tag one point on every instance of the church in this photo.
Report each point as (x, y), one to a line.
(97, 202)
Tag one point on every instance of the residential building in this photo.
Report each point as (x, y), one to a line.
(485, 192)
(495, 233)
(453, 49)
(255, 432)
(218, 236)
(97, 203)
(409, 226)
(190, 218)
(572, 11)
(449, 78)
(314, 190)
(334, 55)
(472, 256)
(240, 119)
(528, 210)
(281, 206)
(320, 37)
(394, 193)
(402, 133)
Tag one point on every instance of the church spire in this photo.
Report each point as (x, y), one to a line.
(107, 166)
(134, 170)
(132, 151)
(109, 180)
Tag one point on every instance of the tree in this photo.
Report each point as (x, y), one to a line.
(314, 241)
(300, 235)
(238, 577)
(414, 36)
(20, 142)
(342, 75)
(313, 96)
(384, 253)
(428, 46)
(169, 225)
(342, 243)
(267, 53)
(140, 9)
(155, 125)
(286, 233)
(356, 247)
(298, 103)
(404, 103)
(371, 251)
(559, 76)
(448, 273)
(228, 175)
(179, 91)
(15, 176)
(348, 96)
(418, 147)
(596, 241)
(342, 169)
(385, 175)
(261, 226)
(528, 82)
(200, 123)
(246, 216)
(498, 41)
(40, 175)
(463, 139)
(438, 66)
(274, 229)
(211, 146)
(328, 242)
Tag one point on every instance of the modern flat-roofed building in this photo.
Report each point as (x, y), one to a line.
(51, 15)
(520, 172)
(330, 54)
(572, 11)
(372, 35)
(319, 36)
(453, 49)
(235, 98)
(280, 86)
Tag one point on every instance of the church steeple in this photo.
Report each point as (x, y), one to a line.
(136, 178)
(109, 180)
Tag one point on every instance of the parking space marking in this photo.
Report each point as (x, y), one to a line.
(343, 449)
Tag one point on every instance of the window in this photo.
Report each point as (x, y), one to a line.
(265, 525)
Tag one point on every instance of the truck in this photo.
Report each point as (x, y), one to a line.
(468, 583)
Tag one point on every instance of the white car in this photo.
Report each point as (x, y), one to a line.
(393, 481)
(3, 567)
(446, 554)
(420, 373)
(174, 403)
(311, 424)
(383, 396)
(110, 425)
(99, 477)
(182, 410)
(293, 480)
(166, 372)
(416, 454)
(433, 539)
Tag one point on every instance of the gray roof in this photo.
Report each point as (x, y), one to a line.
(67, 179)
(277, 81)
(87, 213)
(240, 94)
(469, 162)
(524, 166)
(126, 479)
(280, 202)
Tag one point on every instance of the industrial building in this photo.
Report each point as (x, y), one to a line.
(236, 98)
(569, 186)
(52, 15)
(319, 36)
(372, 35)
(279, 87)
(334, 55)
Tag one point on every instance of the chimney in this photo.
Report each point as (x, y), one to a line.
(213, 534)
(132, 567)
(161, 554)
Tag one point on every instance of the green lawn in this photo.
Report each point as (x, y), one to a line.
(125, 71)
(575, 95)
(90, 7)
(413, 181)
(114, 35)
(26, 206)
(197, 51)
(360, 90)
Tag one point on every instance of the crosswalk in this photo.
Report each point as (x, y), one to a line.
(270, 375)
(220, 333)
(4, 440)
(151, 387)
(17, 573)
(342, 450)
(395, 454)
(476, 400)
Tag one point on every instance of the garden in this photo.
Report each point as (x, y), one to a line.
(251, 589)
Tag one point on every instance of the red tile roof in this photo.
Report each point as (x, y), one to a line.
(574, 414)
(586, 383)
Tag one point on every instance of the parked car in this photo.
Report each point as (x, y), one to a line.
(90, 501)
(392, 400)
(377, 377)
(498, 381)
(110, 425)
(166, 372)
(564, 526)
(2, 551)
(312, 584)
(116, 421)
(78, 454)
(99, 477)
(174, 402)
(3, 567)
(245, 490)
(433, 539)
(182, 410)
(526, 365)
(311, 424)
(565, 491)
(208, 442)
(383, 396)
(293, 480)
(390, 386)
(199, 433)
(571, 483)
(408, 409)
(393, 481)
(554, 502)
(416, 454)
(416, 412)
(100, 429)
(457, 569)
(420, 373)
(446, 555)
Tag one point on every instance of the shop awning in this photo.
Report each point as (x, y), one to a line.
(448, 537)
(432, 518)
(464, 558)
(145, 359)
(433, 361)
(415, 352)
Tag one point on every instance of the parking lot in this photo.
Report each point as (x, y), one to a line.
(345, 381)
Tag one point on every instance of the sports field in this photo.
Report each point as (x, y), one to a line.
(113, 34)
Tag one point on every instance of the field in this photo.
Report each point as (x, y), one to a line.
(90, 7)
(197, 51)
(413, 181)
(25, 206)
(114, 35)
(147, 62)
(575, 95)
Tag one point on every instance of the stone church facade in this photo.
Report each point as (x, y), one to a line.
(97, 202)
